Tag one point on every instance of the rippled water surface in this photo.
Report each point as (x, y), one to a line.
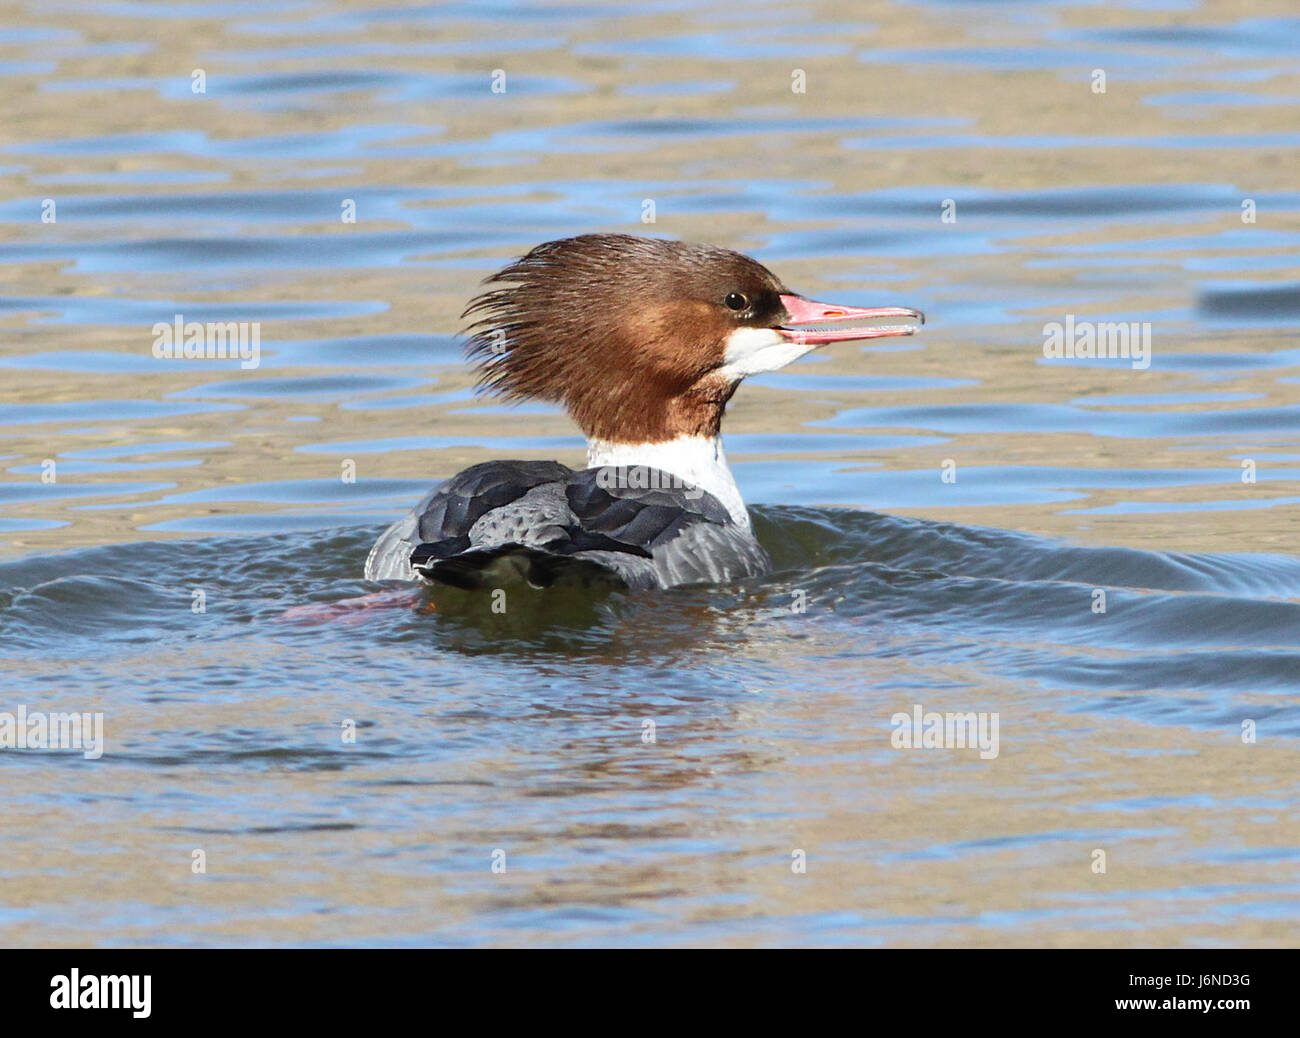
(1102, 554)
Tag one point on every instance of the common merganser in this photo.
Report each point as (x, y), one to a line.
(643, 340)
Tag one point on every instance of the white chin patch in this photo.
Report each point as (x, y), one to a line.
(751, 351)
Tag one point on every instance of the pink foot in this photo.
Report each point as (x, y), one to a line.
(350, 611)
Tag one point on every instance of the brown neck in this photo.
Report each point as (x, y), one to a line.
(631, 415)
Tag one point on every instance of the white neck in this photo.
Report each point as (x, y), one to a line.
(697, 460)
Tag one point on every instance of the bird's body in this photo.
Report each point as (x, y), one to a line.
(543, 523)
(644, 341)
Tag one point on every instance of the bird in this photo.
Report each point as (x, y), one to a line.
(643, 341)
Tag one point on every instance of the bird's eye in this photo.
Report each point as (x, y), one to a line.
(737, 301)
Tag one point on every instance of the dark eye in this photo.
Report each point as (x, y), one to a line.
(736, 301)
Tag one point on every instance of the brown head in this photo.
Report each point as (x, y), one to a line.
(643, 339)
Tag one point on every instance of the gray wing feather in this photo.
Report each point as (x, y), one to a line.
(709, 553)
(701, 554)
(541, 515)
(390, 558)
(456, 507)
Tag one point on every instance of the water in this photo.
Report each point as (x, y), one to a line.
(526, 737)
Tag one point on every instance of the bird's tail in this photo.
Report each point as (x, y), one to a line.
(505, 565)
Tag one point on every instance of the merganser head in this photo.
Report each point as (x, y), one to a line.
(645, 340)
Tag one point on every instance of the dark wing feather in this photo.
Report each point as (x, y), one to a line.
(647, 516)
(452, 508)
(461, 501)
(690, 533)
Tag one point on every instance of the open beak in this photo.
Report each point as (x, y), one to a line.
(816, 323)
